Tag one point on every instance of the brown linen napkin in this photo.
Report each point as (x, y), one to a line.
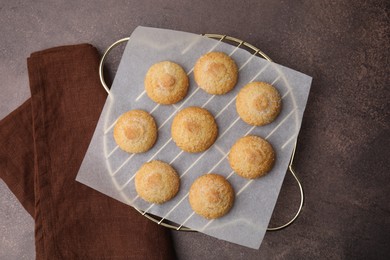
(42, 145)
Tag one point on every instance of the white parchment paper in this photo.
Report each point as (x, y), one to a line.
(111, 171)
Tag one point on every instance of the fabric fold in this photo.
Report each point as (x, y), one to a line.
(43, 143)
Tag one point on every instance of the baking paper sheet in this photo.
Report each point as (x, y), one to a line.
(111, 171)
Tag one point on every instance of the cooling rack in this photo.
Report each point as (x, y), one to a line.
(162, 220)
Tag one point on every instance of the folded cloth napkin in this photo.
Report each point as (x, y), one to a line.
(42, 145)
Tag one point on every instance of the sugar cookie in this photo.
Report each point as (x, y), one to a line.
(211, 196)
(194, 129)
(166, 83)
(157, 182)
(258, 103)
(135, 131)
(251, 157)
(216, 73)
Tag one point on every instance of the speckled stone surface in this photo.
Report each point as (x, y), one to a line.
(343, 146)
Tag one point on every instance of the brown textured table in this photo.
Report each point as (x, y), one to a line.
(343, 147)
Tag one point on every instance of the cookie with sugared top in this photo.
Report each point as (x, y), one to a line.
(166, 83)
(258, 103)
(194, 129)
(157, 182)
(216, 73)
(251, 157)
(211, 196)
(135, 131)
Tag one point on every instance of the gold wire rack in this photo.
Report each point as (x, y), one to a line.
(256, 52)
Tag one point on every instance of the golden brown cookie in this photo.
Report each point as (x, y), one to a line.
(166, 83)
(251, 157)
(211, 196)
(194, 129)
(157, 182)
(135, 131)
(258, 103)
(216, 73)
